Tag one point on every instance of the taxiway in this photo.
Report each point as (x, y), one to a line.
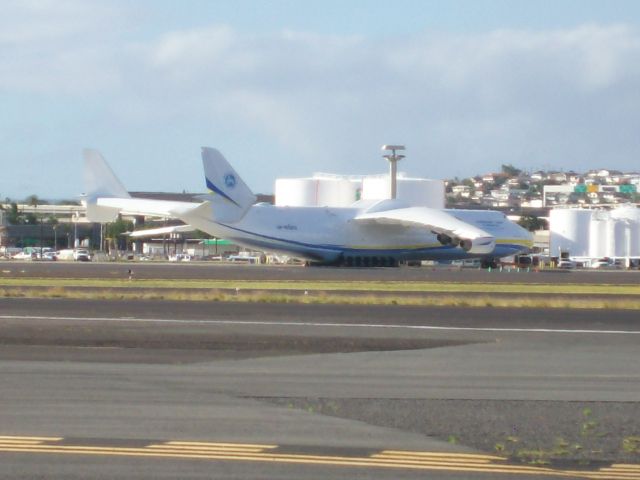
(319, 391)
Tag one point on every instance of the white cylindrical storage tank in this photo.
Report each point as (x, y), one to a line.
(634, 239)
(335, 192)
(597, 237)
(628, 212)
(296, 192)
(350, 191)
(421, 192)
(621, 238)
(375, 188)
(412, 191)
(631, 215)
(610, 237)
(569, 232)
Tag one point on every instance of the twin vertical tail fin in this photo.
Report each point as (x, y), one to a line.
(100, 182)
(229, 195)
(228, 200)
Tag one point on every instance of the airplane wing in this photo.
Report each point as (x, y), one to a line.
(449, 229)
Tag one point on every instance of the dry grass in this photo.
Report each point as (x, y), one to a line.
(353, 286)
(215, 295)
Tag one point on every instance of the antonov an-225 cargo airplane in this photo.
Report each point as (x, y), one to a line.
(367, 233)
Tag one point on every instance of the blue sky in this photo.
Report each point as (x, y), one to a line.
(288, 88)
(373, 18)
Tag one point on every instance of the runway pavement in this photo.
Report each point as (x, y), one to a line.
(109, 389)
(212, 270)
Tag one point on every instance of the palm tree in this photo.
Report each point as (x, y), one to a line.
(34, 201)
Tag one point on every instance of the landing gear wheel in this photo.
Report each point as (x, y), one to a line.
(489, 263)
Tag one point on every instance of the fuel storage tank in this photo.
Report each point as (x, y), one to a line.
(412, 191)
(569, 231)
(598, 234)
(627, 235)
(339, 191)
(296, 192)
(316, 192)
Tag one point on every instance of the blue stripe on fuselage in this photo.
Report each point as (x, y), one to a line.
(266, 241)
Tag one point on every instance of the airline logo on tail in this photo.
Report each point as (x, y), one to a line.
(233, 197)
(230, 182)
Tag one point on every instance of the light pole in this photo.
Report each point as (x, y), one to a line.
(41, 237)
(75, 230)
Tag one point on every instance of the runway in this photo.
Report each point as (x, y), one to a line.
(228, 390)
(212, 270)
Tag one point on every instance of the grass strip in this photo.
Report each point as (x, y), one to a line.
(214, 295)
(354, 286)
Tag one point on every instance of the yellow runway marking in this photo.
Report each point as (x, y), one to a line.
(393, 459)
(471, 456)
(20, 442)
(35, 439)
(208, 444)
(206, 449)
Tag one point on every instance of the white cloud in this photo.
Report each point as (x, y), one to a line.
(59, 46)
(40, 22)
(463, 104)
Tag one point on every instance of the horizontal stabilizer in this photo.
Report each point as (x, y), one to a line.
(152, 232)
(96, 213)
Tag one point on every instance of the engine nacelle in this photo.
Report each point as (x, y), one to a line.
(444, 239)
(466, 245)
(479, 245)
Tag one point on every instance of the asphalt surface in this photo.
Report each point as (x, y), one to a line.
(313, 391)
(212, 270)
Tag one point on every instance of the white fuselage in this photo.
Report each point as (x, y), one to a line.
(332, 234)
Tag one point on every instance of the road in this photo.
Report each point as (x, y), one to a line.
(109, 389)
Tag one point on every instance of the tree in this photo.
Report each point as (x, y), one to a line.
(114, 231)
(32, 200)
(510, 170)
(32, 218)
(532, 223)
(499, 180)
(14, 217)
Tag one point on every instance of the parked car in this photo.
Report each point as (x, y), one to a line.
(567, 264)
(50, 255)
(180, 257)
(81, 255)
(607, 264)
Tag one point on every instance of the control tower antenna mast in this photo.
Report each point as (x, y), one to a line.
(393, 158)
